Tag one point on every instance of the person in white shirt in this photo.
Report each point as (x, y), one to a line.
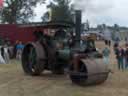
(2, 61)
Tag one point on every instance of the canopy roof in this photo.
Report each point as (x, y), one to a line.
(51, 24)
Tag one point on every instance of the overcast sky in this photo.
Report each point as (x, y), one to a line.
(97, 11)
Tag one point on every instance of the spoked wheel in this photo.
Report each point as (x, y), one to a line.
(31, 59)
(80, 76)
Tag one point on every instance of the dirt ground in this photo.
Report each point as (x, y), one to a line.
(13, 82)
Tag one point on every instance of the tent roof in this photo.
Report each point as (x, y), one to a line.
(51, 24)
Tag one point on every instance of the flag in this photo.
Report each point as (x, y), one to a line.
(1, 3)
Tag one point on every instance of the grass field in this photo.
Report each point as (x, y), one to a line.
(13, 82)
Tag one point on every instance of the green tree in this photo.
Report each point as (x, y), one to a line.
(116, 27)
(87, 25)
(60, 10)
(100, 28)
(18, 11)
(45, 17)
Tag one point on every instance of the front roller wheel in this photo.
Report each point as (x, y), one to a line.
(32, 62)
(89, 72)
(80, 76)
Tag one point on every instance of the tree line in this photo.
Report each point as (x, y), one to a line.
(22, 11)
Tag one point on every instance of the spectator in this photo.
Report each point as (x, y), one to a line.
(19, 49)
(15, 50)
(6, 54)
(109, 43)
(116, 48)
(2, 61)
(106, 42)
(120, 58)
(2, 52)
(106, 53)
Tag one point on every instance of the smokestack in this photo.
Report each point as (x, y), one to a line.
(78, 25)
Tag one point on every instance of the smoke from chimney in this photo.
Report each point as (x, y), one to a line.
(93, 6)
(92, 9)
(81, 4)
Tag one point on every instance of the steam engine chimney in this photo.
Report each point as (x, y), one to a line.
(78, 25)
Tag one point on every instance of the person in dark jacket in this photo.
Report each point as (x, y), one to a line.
(14, 49)
(109, 43)
(120, 58)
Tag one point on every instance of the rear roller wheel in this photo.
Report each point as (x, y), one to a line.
(31, 62)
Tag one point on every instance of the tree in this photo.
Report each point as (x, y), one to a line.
(45, 17)
(116, 27)
(115, 31)
(100, 28)
(60, 10)
(18, 11)
(87, 25)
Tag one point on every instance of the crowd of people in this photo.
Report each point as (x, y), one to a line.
(7, 52)
(107, 42)
(121, 56)
(121, 53)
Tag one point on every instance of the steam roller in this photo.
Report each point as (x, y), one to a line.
(82, 68)
(64, 54)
